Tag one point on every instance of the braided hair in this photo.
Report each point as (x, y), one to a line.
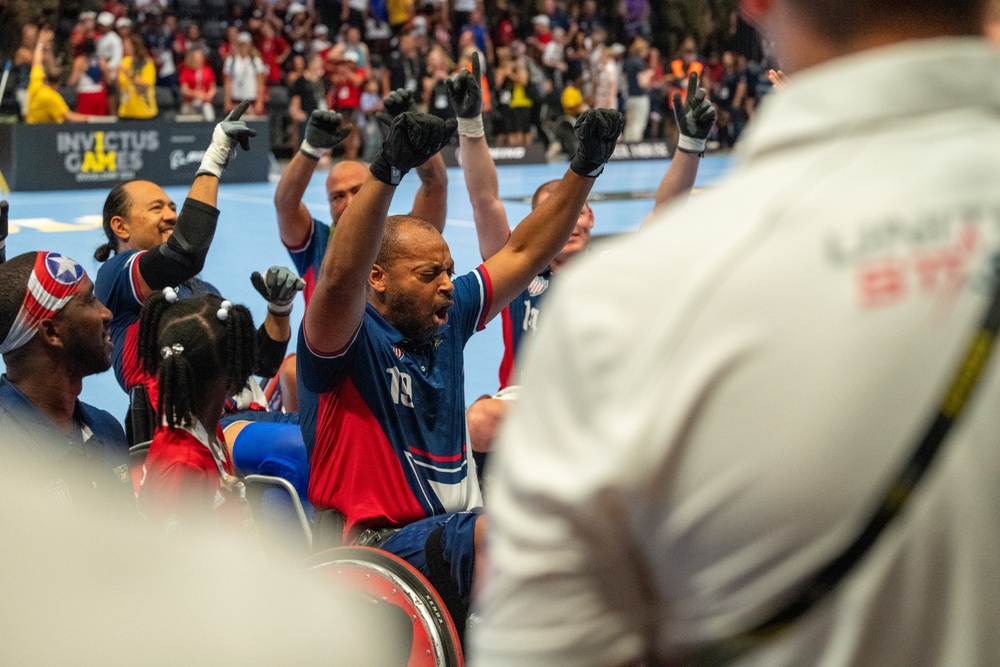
(186, 346)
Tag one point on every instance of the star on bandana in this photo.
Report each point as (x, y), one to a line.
(63, 269)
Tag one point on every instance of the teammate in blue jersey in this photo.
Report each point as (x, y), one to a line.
(381, 391)
(150, 247)
(53, 333)
(694, 117)
(305, 237)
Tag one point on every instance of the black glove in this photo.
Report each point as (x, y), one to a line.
(396, 103)
(412, 140)
(227, 134)
(597, 131)
(694, 117)
(278, 287)
(4, 209)
(323, 132)
(466, 91)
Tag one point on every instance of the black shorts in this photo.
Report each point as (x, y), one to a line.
(519, 120)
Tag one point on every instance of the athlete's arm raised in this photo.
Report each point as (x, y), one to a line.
(338, 302)
(182, 255)
(323, 132)
(465, 91)
(431, 201)
(541, 235)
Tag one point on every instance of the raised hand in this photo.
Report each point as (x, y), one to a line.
(413, 138)
(230, 132)
(396, 103)
(324, 131)
(695, 117)
(278, 287)
(597, 131)
(466, 92)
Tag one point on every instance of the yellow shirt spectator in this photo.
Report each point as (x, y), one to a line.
(45, 104)
(138, 90)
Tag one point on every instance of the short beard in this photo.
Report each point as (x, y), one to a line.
(408, 320)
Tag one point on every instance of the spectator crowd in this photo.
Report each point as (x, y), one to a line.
(542, 65)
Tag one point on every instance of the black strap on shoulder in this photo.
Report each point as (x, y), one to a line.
(894, 500)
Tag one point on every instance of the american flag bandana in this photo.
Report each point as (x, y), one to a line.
(53, 282)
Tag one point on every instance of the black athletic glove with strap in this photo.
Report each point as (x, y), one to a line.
(323, 133)
(695, 117)
(229, 133)
(396, 104)
(278, 287)
(597, 131)
(466, 93)
(413, 138)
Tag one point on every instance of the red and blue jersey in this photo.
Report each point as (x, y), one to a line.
(309, 256)
(118, 288)
(520, 319)
(384, 420)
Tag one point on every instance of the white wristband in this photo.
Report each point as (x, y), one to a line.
(691, 145)
(471, 127)
(312, 151)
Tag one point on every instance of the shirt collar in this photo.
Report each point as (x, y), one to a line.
(848, 95)
(393, 334)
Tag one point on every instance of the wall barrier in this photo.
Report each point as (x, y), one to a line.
(76, 156)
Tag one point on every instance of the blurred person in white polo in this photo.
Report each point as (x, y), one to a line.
(715, 407)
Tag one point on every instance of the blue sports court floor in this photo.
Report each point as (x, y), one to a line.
(247, 238)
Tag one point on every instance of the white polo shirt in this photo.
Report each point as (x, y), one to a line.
(243, 72)
(715, 406)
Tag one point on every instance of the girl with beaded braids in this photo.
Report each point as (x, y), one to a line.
(201, 350)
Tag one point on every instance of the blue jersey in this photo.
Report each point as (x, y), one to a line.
(90, 463)
(117, 286)
(520, 319)
(384, 420)
(308, 258)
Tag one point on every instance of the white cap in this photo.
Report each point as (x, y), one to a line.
(106, 19)
(244, 38)
(295, 8)
(123, 22)
(321, 30)
(419, 25)
(617, 49)
(88, 15)
(541, 19)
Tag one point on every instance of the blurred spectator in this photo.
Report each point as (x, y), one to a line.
(406, 68)
(659, 108)
(84, 29)
(137, 83)
(117, 8)
(516, 81)
(243, 77)
(731, 117)
(320, 43)
(353, 44)
(554, 59)
(590, 20)
(111, 48)
(307, 94)
(371, 105)
(198, 86)
(462, 11)
(506, 28)
(274, 51)
(501, 105)
(45, 104)
(296, 69)
(89, 76)
(575, 55)
(638, 78)
(23, 58)
(606, 86)
(378, 37)
(542, 31)
(159, 38)
(345, 95)
(439, 69)
(683, 65)
(400, 13)
(558, 18)
(480, 35)
(229, 44)
(123, 27)
(353, 13)
(635, 18)
(190, 39)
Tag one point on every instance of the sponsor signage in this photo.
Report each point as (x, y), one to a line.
(71, 156)
(502, 155)
(643, 150)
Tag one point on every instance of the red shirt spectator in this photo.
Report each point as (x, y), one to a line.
(273, 51)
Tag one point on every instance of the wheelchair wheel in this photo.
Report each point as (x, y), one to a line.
(384, 576)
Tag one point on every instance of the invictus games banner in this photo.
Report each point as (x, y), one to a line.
(72, 156)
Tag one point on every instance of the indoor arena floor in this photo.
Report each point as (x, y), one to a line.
(247, 238)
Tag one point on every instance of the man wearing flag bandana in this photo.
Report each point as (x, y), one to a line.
(53, 333)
